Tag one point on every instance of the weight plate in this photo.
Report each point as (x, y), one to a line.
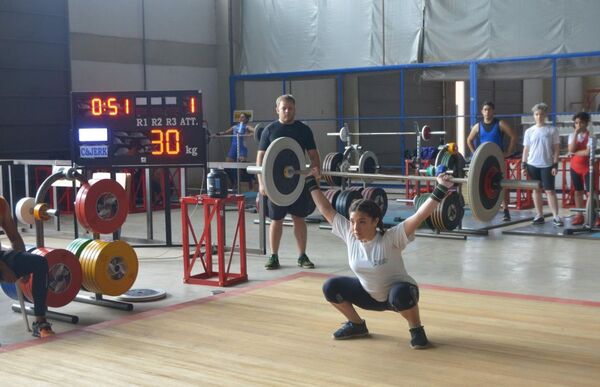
(10, 289)
(332, 195)
(368, 163)
(418, 202)
(143, 295)
(379, 196)
(485, 172)
(336, 164)
(24, 210)
(113, 269)
(282, 153)
(258, 130)
(64, 277)
(426, 133)
(345, 200)
(77, 246)
(86, 259)
(344, 134)
(351, 155)
(449, 213)
(101, 207)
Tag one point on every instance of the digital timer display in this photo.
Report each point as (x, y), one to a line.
(138, 128)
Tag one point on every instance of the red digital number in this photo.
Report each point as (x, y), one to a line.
(112, 107)
(96, 106)
(165, 141)
(109, 106)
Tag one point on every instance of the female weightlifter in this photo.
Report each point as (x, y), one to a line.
(375, 257)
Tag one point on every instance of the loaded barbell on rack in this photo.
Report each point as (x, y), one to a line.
(284, 170)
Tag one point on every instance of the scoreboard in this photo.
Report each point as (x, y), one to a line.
(138, 128)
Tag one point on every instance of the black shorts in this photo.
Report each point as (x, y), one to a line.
(302, 207)
(578, 180)
(542, 174)
(402, 295)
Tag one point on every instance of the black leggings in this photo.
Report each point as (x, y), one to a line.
(402, 295)
(23, 263)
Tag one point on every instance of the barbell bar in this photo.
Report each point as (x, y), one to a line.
(284, 170)
(425, 133)
(288, 172)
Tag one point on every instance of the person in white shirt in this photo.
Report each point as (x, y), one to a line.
(540, 162)
(375, 256)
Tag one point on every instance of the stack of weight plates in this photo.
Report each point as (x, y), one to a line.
(345, 200)
(332, 163)
(108, 267)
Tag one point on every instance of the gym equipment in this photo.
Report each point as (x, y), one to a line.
(352, 160)
(425, 133)
(448, 214)
(284, 179)
(143, 295)
(379, 196)
(101, 206)
(24, 210)
(258, 129)
(108, 267)
(64, 277)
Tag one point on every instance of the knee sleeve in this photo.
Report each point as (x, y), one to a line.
(403, 296)
(331, 291)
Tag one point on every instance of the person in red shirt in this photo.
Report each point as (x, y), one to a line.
(580, 164)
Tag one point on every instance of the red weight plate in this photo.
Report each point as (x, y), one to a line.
(64, 277)
(102, 206)
(426, 133)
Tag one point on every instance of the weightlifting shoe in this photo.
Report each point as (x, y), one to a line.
(42, 329)
(578, 220)
(506, 216)
(538, 220)
(418, 338)
(557, 221)
(304, 262)
(350, 330)
(272, 262)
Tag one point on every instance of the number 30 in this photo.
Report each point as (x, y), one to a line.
(165, 141)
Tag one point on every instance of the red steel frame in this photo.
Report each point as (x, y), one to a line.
(213, 207)
(523, 197)
(416, 188)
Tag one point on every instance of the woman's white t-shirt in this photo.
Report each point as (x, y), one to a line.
(541, 141)
(378, 263)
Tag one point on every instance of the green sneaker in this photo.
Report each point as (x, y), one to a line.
(304, 262)
(272, 262)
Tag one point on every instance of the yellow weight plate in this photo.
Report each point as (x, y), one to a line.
(116, 267)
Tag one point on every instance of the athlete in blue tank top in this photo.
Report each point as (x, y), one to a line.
(490, 132)
(240, 130)
(491, 129)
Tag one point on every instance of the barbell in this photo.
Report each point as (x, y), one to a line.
(284, 170)
(425, 133)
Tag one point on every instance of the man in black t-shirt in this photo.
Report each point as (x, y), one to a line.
(287, 126)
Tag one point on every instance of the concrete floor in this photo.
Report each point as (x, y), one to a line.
(532, 265)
